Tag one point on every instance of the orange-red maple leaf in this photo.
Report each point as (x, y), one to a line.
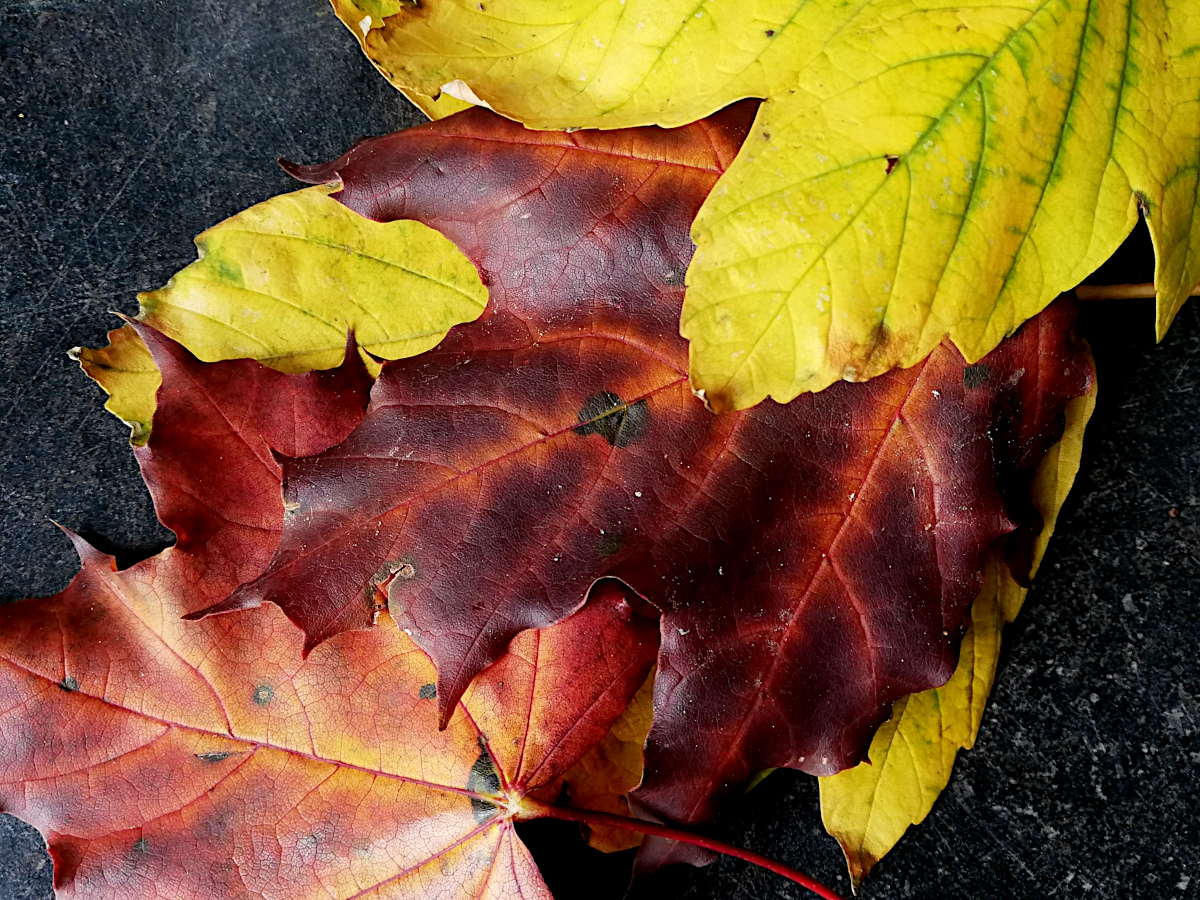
(167, 758)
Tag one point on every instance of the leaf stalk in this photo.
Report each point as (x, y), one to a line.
(534, 809)
(1143, 291)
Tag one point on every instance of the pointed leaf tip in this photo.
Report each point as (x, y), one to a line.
(88, 555)
(319, 173)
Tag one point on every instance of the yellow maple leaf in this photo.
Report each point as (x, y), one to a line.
(869, 807)
(282, 282)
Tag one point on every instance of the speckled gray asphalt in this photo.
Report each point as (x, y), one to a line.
(128, 127)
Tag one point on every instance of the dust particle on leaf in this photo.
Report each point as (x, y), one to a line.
(607, 415)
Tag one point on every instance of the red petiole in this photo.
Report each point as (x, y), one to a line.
(533, 809)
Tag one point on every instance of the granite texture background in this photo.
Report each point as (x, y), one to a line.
(128, 127)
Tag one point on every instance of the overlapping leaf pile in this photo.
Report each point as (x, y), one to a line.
(542, 505)
(157, 753)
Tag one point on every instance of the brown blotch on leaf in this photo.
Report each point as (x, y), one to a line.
(976, 376)
(610, 542)
(399, 572)
(483, 779)
(607, 415)
(379, 593)
(770, 32)
(215, 757)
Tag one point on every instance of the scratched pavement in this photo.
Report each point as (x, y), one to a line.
(128, 127)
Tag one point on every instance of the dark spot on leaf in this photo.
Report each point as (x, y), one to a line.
(976, 376)
(770, 32)
(263, 694)
(891, 163)
(1144, 204)
(380, 590)
(400, 572)
(141, 845)
(214, 757)
(674, 277)
(483, 780)
(610, 542)
(607, 415)
(428, 692)
(69, 684)
(398, 568)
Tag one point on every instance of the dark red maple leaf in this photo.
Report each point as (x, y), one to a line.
(813, 561)
(208, 462)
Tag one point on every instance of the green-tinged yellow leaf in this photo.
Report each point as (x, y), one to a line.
(918, 169)
(283, 281)
(128, 375)
(944, 171)
(868, 808)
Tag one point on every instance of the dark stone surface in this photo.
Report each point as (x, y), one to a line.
(128, 127)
